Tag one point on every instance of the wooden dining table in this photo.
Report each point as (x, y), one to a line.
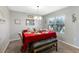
(35, 37)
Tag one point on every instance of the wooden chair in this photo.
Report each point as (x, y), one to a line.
(21, 37)
(24, 31)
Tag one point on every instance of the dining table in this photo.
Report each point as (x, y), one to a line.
(29, 37)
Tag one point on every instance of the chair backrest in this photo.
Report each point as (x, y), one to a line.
(24, 31)
(21, 37)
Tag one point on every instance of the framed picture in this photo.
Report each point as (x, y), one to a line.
(17, 21)
(2, 21)
(74, 18)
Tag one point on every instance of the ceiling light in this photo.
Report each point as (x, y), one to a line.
(27, 22)
(37, 17)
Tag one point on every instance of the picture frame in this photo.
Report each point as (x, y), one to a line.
(2, 21)
(17, 21)
(74, 18)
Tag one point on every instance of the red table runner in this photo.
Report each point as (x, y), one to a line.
(33, 37)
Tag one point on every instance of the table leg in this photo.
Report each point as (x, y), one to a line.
(24, 48)
(56, 46)
(30, 47)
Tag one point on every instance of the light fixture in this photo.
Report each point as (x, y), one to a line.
(37, 17)
(27, 22)
(40, 17)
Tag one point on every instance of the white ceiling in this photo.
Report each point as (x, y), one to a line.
(42, 10)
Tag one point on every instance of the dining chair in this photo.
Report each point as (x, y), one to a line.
(21, 37)
(24, 31)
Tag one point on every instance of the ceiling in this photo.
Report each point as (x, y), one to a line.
(41, 10)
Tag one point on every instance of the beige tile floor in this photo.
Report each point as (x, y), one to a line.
(14, 47)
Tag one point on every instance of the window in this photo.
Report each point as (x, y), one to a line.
(57, 23)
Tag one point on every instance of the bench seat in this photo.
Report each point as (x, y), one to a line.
(44, 44)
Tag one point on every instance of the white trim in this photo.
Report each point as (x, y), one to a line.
(13, 39)
(69, 44)
(5, 47)
(58, 40)
(8, 44)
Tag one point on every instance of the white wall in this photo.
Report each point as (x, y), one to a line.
(16, 28)
(4, 28)
(71, 34)
(9, 30)
(76, 26)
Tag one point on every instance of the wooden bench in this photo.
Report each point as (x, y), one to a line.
(41, 45)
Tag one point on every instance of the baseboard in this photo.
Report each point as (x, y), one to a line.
(70, 44)
(5, 47)
(8, 44)
(14, 39)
